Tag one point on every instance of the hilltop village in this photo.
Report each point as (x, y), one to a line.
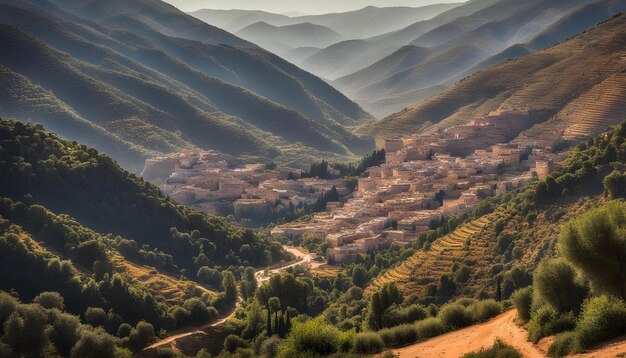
(429, 176)
(212, 182)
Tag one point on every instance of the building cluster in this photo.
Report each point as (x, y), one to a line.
(424, 179)
(207, 180)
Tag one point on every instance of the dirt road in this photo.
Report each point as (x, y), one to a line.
(262, 276)
(456, 344)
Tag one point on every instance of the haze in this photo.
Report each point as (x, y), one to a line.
(301, 7)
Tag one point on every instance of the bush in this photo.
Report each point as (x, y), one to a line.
(601, 318)
(396, 315)
(564, 344)
(483, 310)
(313, 337)
(232, 343)
(399, 335)
(523, 299)
(411, 333)
(50, 300)
(368, 343)
(555, 281)
(455, 316)
(546, 322)
(498, 350)
(429, 327)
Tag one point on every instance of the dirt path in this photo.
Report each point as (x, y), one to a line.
(261, 275)
(456, 344)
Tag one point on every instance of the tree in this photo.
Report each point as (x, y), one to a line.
(209, 276)
(50, 300)
(556, 284)
(94, 344)
(249, 283)
(595, 244)
(615, 185)
(96, 316)
(359, 276)
(230, 287)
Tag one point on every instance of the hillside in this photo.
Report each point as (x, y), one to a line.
(35, 161)
(350, 56)
(503, 240)
(158, 86)
(466, 45)
(72, 221)
(560, 84)
(281, 39)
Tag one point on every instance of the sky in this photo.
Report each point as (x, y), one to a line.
(298, 6)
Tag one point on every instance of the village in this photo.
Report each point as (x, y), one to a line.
(212, 182)
(427, 177)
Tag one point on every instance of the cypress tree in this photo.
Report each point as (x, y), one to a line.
(269, 321)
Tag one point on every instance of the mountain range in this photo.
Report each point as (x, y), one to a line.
(443, 52)
(576, 88)
(139, 79)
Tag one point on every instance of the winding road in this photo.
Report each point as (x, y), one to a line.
(262, 276)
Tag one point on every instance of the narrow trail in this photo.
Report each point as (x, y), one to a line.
(262, 277)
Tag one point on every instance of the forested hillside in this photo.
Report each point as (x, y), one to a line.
(159, 81)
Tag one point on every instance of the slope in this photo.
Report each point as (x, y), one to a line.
(455, 48)
(165, 93)
(503, 240)
(545, 82)
(280, 39)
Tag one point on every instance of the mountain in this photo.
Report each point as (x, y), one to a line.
(349, 56)
(460, 46)
(156, 81)
(367, 22)
(280, 39)
(576, 88)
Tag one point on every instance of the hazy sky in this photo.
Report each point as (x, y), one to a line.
(298, 6)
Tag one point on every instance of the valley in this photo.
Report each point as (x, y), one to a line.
(416, 180)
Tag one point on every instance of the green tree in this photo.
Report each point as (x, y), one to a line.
(230, 287)
(595, 244)
(555, 282)
(50, 300)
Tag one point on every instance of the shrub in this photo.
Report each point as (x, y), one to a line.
(546, 322)
(232, 343)
(399, 335)
(555, 281)
(429, 327)
(313, 337)
(50, 300)
(601, 318)
(396, 315)
(523, 300)
(269, 348)
(564, 344)
(483, 310)
(498, 350)
(454, 316)
(368, 343)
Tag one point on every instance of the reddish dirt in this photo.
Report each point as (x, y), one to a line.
(456, 344)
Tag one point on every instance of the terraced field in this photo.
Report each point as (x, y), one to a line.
(172, 289)
(427, 266)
